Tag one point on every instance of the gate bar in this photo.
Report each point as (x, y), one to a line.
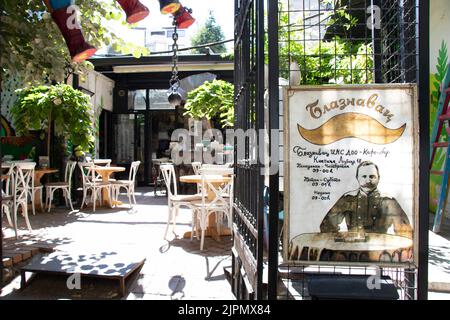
(424, 157)
(272, 21)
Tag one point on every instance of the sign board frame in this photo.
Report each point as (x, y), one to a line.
(411, 90)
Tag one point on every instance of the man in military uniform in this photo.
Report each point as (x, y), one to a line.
(366, 210)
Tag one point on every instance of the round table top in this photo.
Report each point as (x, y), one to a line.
(108, 169)
(45, 170)
(213, 178)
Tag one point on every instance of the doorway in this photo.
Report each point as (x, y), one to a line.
(143, 133)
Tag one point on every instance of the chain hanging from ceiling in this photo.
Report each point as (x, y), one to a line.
(174, 95)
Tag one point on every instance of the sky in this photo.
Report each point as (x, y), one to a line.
(223, 11)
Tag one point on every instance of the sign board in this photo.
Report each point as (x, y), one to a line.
(350, 174)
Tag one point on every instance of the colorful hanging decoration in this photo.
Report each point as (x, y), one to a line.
(79, 49)
(169, 6)
(134, 10)
(183, 17)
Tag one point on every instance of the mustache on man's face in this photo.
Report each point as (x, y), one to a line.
(351, 125)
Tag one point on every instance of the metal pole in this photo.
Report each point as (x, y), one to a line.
(260, 125)
(1, 225)
(273, 125)
(376, 42)
(424, 157)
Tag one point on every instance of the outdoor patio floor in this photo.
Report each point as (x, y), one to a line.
(174, 269)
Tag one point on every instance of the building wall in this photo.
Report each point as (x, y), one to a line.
(101, 88)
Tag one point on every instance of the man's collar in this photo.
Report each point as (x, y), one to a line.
(371, 193)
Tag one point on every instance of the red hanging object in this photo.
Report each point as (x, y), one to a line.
(183, 18)
(79, 49)
(135, 10)
(169, 6)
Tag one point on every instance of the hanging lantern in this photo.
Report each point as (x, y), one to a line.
(134, 10)
(79, 49)
(175, 97)
(169, 6)
(184, 18)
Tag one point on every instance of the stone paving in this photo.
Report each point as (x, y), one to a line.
(174, 269)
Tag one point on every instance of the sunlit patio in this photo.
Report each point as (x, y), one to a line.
(173, 268)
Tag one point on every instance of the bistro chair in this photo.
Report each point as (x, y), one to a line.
(175, 200)
(65, 186)
(196, 167)
(104, 163)
(7, 193)
(127, 184)
(90, 183)
(21, 175)
(220, 203)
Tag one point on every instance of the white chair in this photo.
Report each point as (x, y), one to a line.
(127, 184)
(196, 167)
(90, 183)
(216, 198)
(174, 200)
(65, 186)
(21, 175)
(102, 162)
(7, 193)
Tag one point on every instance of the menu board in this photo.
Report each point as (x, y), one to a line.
(351, 171)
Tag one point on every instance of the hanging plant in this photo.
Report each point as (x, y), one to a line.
(213, 101)
(69, 109)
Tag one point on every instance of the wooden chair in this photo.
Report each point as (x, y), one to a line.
(221, 203)
(65, 186)
(128, 185)
(90, 183)
(175, 200)
(21, 175)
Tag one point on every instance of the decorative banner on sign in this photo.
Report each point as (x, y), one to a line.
(351, 172)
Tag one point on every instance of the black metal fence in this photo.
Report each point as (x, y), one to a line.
(317, 42)
(249, 115)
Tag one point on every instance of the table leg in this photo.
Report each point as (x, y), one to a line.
(38, 200)
(105, 195)
(211, 230)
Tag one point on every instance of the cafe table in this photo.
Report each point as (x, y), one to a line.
(216, 181)
(105, 173)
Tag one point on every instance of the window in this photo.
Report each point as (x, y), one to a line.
(137, 100)
(158, 33)
(181, 33)
(158, 100)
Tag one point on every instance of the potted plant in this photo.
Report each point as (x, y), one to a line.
(68, 109)
(213, 101)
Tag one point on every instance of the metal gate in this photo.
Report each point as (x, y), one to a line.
(315, 42)
(249, 89)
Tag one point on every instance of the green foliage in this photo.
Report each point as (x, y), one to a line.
(209, 32)
(321, 62)
(33, 46)
(70, 110)
(213, 101)
(441, 67)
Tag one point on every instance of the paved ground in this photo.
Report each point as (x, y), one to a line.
(174, 269)
(439, 262)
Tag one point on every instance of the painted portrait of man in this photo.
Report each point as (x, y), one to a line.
(366, 209)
